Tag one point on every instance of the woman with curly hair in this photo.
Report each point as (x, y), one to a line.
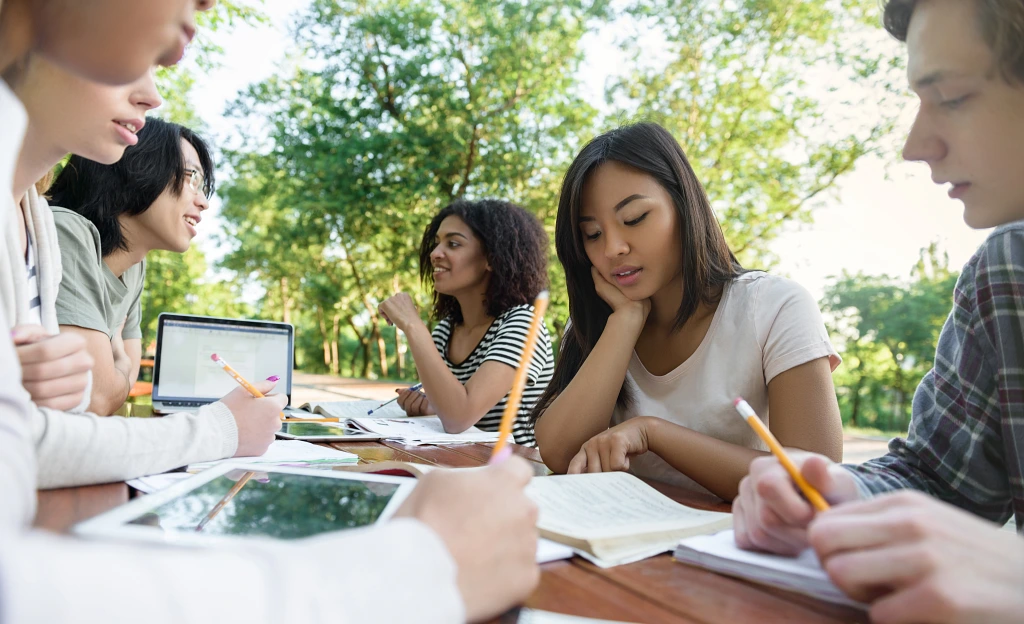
(487, 261)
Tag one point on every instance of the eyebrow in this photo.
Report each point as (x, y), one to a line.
(622, 204)
(452, 235)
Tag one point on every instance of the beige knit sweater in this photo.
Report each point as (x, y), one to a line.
(81, 448)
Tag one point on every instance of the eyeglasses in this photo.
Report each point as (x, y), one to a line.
(197, 182)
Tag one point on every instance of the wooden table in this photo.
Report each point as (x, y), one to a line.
(656, 590)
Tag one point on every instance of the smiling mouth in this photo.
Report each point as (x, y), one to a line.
(627, 273)
(191, 221)
(127, 125)
(440, 270)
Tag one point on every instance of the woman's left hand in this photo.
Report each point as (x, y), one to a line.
(400, 311)
(610, 450)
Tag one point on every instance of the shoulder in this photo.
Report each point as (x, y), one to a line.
(767, 291)
(74, 230)
(1002, 251)
(517, 319)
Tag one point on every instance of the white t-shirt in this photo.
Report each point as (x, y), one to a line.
(764, 325)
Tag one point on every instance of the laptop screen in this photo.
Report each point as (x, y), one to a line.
(184, 370)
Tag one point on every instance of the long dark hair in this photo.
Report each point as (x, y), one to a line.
(516, 248)
(707, 262)
(101, 193)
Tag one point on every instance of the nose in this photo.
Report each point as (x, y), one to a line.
(438, 252)
(615, 244)
(201, 201)
(924, 143)
(145, 94)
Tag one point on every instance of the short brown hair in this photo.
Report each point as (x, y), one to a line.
(1002, 26)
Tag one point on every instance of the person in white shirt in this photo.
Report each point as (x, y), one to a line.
(69, 114)
(667, 329)
(467, 540)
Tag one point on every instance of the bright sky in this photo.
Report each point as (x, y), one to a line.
(883, 214)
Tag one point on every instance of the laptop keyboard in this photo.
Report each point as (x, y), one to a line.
(182, 403)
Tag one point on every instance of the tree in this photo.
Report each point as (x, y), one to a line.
(398, 108)
(888, 331)
(772, 100)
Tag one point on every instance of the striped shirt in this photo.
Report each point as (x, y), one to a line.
(35, 302)
(504, 342)
(966, 440)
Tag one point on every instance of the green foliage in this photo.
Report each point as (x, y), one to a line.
(175, 83)
(773, 101)
(399, 108)
(887, 331)
(179, 283)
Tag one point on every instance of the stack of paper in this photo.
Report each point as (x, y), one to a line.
(421, 430)
(290, 453)
(613, 518)
(355, 409)
(533, 616)
(800, 574)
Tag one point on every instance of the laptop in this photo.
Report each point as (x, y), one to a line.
(184, 376)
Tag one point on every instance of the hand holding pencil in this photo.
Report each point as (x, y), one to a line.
(773, 509)
(257, 416)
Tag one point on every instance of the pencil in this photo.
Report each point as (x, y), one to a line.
(515, 396)
(235, 489)
(762, 432)
(389, 401)
(242, 381)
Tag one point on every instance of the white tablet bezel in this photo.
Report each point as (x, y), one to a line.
(360, 436)
(114, 523)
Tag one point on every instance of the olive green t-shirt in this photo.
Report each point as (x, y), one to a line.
(90, 296)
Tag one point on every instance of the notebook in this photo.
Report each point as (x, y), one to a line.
(802, 574)
(613, 518)
(290, 453)
(354, 409)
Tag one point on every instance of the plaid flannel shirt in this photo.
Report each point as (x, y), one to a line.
(966, 440)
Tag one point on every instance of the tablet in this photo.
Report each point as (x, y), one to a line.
(311, 431)
(246, 500)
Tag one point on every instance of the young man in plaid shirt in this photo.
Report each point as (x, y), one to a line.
(904, 532)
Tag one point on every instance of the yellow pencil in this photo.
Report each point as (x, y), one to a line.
(762, 432)
(515, 396)
(235, 489)
(242, 381)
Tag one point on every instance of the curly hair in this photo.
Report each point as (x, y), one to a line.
(516, 248)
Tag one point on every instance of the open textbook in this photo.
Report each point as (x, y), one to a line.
(802, 574)
(610, 518)
(391, 422)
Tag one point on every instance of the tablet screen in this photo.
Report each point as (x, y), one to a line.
(278, 505)
(302, 430)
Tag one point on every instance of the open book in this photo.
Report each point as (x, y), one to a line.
(803, 574)
(610, 518)
(354, 409)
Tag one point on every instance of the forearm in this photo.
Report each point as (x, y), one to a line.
(201, 585)
(17, 459)
(110, 387)
(446, 393)
(715, 464)
(584, 408)
(83, 449)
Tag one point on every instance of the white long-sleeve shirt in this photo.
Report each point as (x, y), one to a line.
(397, 572)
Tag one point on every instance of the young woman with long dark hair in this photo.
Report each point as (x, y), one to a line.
(667, 329)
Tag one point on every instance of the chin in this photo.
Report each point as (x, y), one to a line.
(979, 218)
(106, 156)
